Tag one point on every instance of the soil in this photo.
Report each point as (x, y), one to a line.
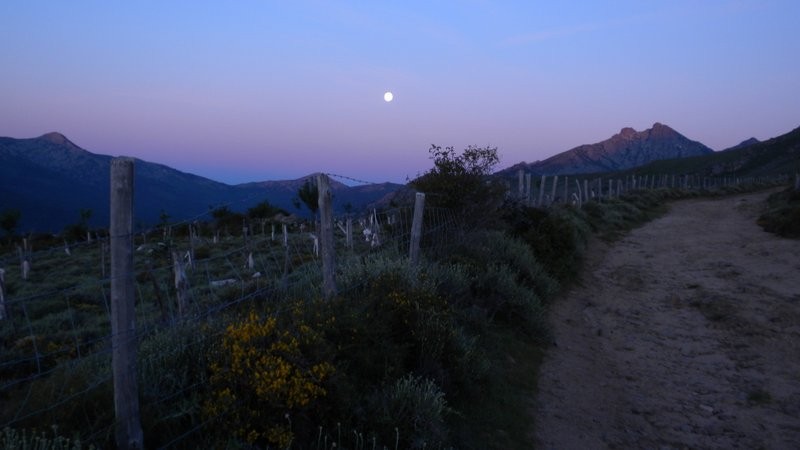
(683, 334)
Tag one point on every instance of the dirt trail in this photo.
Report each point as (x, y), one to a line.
(684, 334)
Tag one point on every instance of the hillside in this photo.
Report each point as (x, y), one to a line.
(50, 179)
(779, 155)
(624, 150)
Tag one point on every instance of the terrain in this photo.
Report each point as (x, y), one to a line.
(49, 179)
(625, 150)
(683, 334)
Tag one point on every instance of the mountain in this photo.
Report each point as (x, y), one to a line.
(779, 155)
(50, 179)
(624, 150)
(743, 144)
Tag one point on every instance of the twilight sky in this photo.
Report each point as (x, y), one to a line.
(256, 90)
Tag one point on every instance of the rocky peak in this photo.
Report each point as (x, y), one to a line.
(55, 137)
(627, 132)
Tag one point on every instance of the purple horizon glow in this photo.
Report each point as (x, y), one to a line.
(264, 90)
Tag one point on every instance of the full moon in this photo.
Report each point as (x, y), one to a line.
(388, 96)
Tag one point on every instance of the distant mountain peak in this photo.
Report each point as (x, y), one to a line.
(56, 138)
(745, 143)
(627, 149)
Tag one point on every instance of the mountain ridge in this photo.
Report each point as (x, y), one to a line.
(624, 150)
(50, 179)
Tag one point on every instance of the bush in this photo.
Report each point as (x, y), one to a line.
(783, 215)
(414, 408)
(557, 236)
(262, 377)
(460, 182)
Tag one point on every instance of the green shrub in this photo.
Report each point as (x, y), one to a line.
(783, 215)
(413, 409)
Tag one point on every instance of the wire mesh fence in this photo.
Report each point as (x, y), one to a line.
(57, 339)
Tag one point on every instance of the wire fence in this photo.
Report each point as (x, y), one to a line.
(56, 335)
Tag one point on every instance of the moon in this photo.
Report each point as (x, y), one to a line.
(388, 96)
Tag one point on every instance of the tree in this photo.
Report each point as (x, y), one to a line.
(309, 195)
(9, 220)
(78, 231)
(461, 182)
(263, 210)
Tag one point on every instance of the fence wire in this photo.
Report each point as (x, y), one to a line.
(57, 342)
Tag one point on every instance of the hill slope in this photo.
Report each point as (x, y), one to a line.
(779, 155)
(624, 150)
(50, 179)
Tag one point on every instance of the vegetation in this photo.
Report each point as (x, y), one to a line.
(461, 182)
(783, 214)
(309, 195)
(436, 355)
(9, 220)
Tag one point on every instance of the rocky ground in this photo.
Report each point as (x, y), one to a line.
(683, 334)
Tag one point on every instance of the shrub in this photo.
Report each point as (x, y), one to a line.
(414, 408)
(558, 238)
(783, 215)
(459, 182)
(261, 377)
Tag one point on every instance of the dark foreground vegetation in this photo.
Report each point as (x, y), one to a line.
(783, 215)
(443, 354)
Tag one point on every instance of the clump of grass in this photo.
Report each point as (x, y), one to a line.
(11, 439)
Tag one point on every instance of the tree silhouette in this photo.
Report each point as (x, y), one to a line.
(9, 220)
(309, 195)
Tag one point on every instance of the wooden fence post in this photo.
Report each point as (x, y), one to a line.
(123, 318)
(416, 228)
(529, 192)
(181, 283)
(555, 185)
(586, 191)
(349, 233)
(326, 237)
(521, 178)
(541, 191)
(580, 195)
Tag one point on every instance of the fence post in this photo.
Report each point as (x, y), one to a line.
(326, 237)
(123, 318)
(180, 284)
(586, 191)
(521, 178)
(541, 191)
(416, 228)
(529, 192)
(555, 185)
(566, 190)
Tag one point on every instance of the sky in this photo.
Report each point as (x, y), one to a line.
(266, 90)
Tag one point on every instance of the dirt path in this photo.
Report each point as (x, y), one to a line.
(684, 334)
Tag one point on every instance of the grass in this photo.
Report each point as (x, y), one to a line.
(443, 354)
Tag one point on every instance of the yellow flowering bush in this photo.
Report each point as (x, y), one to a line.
(262, 376)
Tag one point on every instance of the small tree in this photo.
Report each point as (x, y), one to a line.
(461, 182)
(263, 210)
(78, 231)
(309, 195)
(9, 220)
